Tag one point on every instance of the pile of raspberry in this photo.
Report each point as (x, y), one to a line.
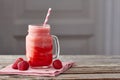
(23, 65)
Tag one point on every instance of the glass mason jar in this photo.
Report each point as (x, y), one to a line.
(39, 46)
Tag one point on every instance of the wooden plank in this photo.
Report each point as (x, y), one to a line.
(65, 76)
(89, 76)
(98, 69)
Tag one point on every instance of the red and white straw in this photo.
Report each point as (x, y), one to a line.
(47, 16)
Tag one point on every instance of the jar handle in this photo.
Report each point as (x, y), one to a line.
(57, 47)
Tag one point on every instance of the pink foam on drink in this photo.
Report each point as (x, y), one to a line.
(39, 29)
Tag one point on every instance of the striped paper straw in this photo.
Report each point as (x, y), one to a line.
(47, 16)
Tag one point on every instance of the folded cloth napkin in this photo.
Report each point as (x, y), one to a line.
(38, 72)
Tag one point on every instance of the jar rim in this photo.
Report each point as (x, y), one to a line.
(38, 26)
(39, 29)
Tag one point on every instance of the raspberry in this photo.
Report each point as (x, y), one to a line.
(14, 66)
(23, 65)
(57, 64)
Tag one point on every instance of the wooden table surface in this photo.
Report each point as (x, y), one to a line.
(87, 67)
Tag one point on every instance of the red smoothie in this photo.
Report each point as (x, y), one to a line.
(39, 46)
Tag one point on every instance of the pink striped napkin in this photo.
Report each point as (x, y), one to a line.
(37, 72)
